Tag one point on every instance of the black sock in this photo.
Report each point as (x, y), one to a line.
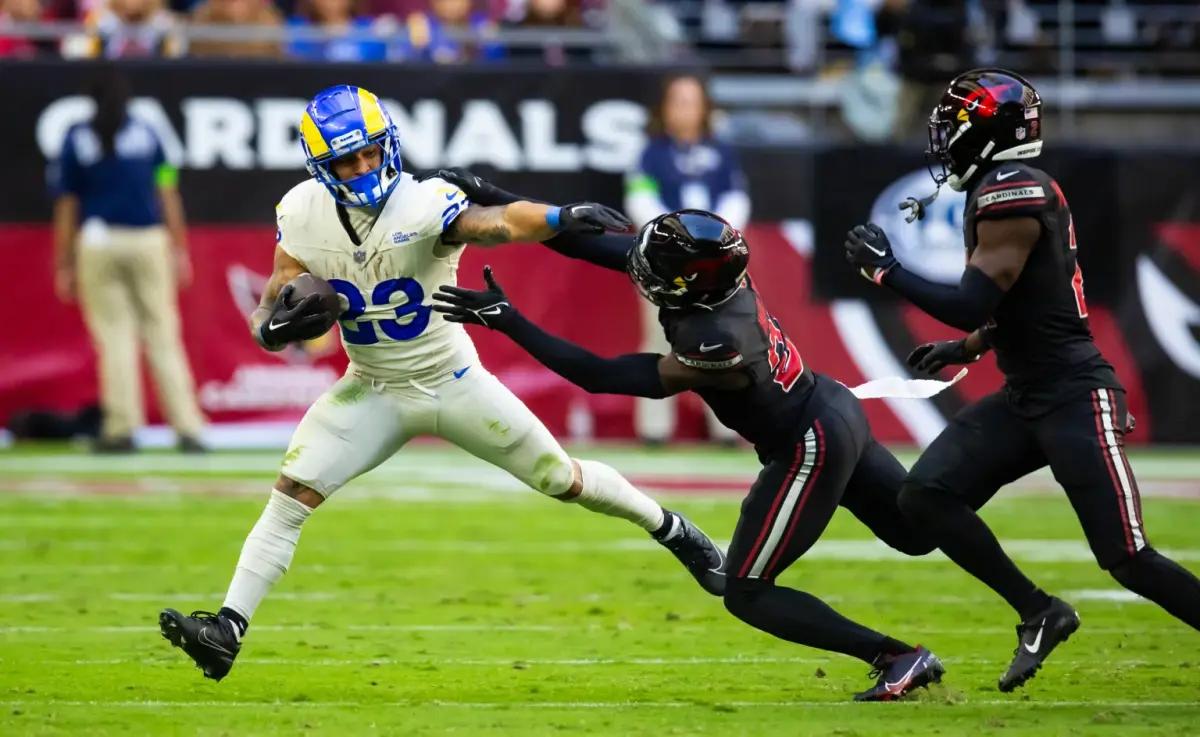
(891, 646)
(802, 618)
(967, 541)
(1164, 582)
(666, 526)
(236, 619)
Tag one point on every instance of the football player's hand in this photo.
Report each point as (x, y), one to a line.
(931, 358)
(591, 218)
(65, 285)
(304, 320)
(867, 247)
(475, 187)
(488, 307)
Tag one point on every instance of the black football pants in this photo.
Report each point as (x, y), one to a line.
(1083, 441)
(833, 461)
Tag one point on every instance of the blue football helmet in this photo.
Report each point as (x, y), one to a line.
(341, 120)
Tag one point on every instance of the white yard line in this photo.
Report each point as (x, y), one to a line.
(1015, 702)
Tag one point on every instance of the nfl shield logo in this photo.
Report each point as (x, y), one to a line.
(360, 257)
(1020, 133)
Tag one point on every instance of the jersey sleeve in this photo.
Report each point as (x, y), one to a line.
(442, 202)
(703, 344)
(1012, 191)
(289, 222)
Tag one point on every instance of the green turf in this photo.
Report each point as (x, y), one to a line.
(435, 597)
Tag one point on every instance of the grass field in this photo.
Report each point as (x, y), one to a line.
(436, 597)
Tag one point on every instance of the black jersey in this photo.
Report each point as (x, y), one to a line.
(740, 335)
(1039, 331)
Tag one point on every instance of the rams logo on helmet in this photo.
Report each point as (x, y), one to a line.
(341, 120)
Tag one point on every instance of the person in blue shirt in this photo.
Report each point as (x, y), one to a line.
(356, 39)
(682, 167)
(121, 250)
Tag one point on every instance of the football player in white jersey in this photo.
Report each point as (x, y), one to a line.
(385, 242)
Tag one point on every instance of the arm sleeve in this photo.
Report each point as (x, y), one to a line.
(607, 250)
(634, 374)
(966, 306)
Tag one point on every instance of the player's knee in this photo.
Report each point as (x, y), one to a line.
(306, 495)
(1128, 571)
(915, 499)
(555, 475)
(741, 595)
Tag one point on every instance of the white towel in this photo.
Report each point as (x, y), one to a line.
(894, 387)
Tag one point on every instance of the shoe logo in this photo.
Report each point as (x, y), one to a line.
(706, 348)
(1005, 175)
(719, 569)
(276, 325)
(904, 678)
(461, 372)
(204, 640)
(1037, 641)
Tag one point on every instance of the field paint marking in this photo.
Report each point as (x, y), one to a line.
(587, 662)
(1034, 550)
(148, 628)
(567, 705)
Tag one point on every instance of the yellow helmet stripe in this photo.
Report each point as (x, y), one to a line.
(371, 111)
(312, 136)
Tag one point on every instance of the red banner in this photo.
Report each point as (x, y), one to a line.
(46, 358)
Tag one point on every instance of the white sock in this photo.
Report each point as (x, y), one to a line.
(607, 492)
(267, 553)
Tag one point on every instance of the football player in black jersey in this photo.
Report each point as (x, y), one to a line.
(810, 432)
(1062, 405)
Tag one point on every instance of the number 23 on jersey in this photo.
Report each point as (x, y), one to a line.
(411, 317)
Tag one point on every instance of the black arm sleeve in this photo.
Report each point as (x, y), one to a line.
(608, 250)
(635, 374)
(966, 306)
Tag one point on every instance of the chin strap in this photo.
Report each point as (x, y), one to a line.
(916, 205)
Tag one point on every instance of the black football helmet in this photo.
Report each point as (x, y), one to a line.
(985, 115)
(689, 258)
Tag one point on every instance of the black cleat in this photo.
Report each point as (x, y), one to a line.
(208, 639)
(1036, 638)
(113, 445)
(703, 559)
(899, 674)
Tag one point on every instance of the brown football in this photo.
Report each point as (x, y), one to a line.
(307, 284)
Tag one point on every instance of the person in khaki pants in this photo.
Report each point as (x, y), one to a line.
(121, 250)
(682, 166)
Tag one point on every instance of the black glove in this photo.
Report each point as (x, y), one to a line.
(591, 218)
(867, 247)
(930, 358)
(478, 190)
(489, 307)
(304, 320)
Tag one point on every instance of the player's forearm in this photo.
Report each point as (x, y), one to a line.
(976, 343)
(529, 221)
(965, 306)
(633, 375)
(607, 250)
(66, 228)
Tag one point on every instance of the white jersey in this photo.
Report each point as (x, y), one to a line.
(388, 329)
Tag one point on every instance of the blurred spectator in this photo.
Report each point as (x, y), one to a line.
(122, 29)
(682, 166)
(236, 13)
(120, 245)
(355, 39)
(932, 44)
(21, 11)
(548, 15)
(431, 34)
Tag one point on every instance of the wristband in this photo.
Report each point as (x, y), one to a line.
(553, 217)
